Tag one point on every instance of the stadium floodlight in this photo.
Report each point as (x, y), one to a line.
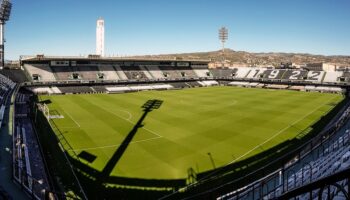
(5, 11)
(223, 36)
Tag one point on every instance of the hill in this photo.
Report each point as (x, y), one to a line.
(250, 59)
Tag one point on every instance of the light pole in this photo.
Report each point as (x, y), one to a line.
(223, 36)
(5, 11)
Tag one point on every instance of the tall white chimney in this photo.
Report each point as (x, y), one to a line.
(100, 37)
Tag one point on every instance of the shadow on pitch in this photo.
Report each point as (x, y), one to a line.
(149, 106)
(101, 185)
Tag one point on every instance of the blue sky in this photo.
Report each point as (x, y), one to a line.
(138, 27)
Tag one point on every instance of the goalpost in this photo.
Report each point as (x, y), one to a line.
(46, 111)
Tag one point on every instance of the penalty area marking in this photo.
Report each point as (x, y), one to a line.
(157, 136)
(125, 111)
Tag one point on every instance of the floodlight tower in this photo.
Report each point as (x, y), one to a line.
(100, 37)
(5, 11)
(223, 36)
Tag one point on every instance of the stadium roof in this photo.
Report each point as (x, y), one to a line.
(98, 58)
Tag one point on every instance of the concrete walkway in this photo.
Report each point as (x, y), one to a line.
(6, 183)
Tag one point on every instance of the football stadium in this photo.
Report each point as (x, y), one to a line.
(163, 129)
(143, 127)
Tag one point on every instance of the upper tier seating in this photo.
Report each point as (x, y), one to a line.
(120, 73)
(145, 71)
(242, 72)
(273, 73)
(186, 72)
(88, 72)
(40, 72)
(332, 77)
(170, 72)
(345, 77)
(133, 72)
(224, 72)
(16, 75)
(63, 72)
(155, 72)
(108, 72)
(315, 76)
(256, 73)
(294, 75)
(201, 71)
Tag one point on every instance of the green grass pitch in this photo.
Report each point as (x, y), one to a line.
(230, 123)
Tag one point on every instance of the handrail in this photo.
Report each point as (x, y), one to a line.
(328, 180)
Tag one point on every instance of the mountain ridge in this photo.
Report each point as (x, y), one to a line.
(261, 58)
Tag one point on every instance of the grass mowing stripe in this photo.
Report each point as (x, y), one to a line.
(278, 133)
(225, 121)
(128, 120)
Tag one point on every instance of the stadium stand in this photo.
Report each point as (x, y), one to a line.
(201, 71)
(16, 75)
(247, 84)
(315, 76)
(193, 84)
(256, 73)
(186, 72)
(88, 72)
(332, 77)
(294, 75)
(242, 72)
(275, 86)
(297, 87)
(120, 73)
(155, 72)
(121, 89)
(46, 90)
(99, 89)
(312, 88)
(129, 70)
(133, 72)
(179, 85)
(273, 74)
(64, 73)
(131, 76)
(75, 90)
(170, 72)
(345, 77)
(145, 71)
(29, 170)
(243, 84)
(208, 83)
(223, 72)
(40, 72)
(109, 72)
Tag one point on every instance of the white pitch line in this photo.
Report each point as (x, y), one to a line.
(110, 146)
(68, 127)
(278, 133)
(128, 120)
(127, 112)
(73, 119)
